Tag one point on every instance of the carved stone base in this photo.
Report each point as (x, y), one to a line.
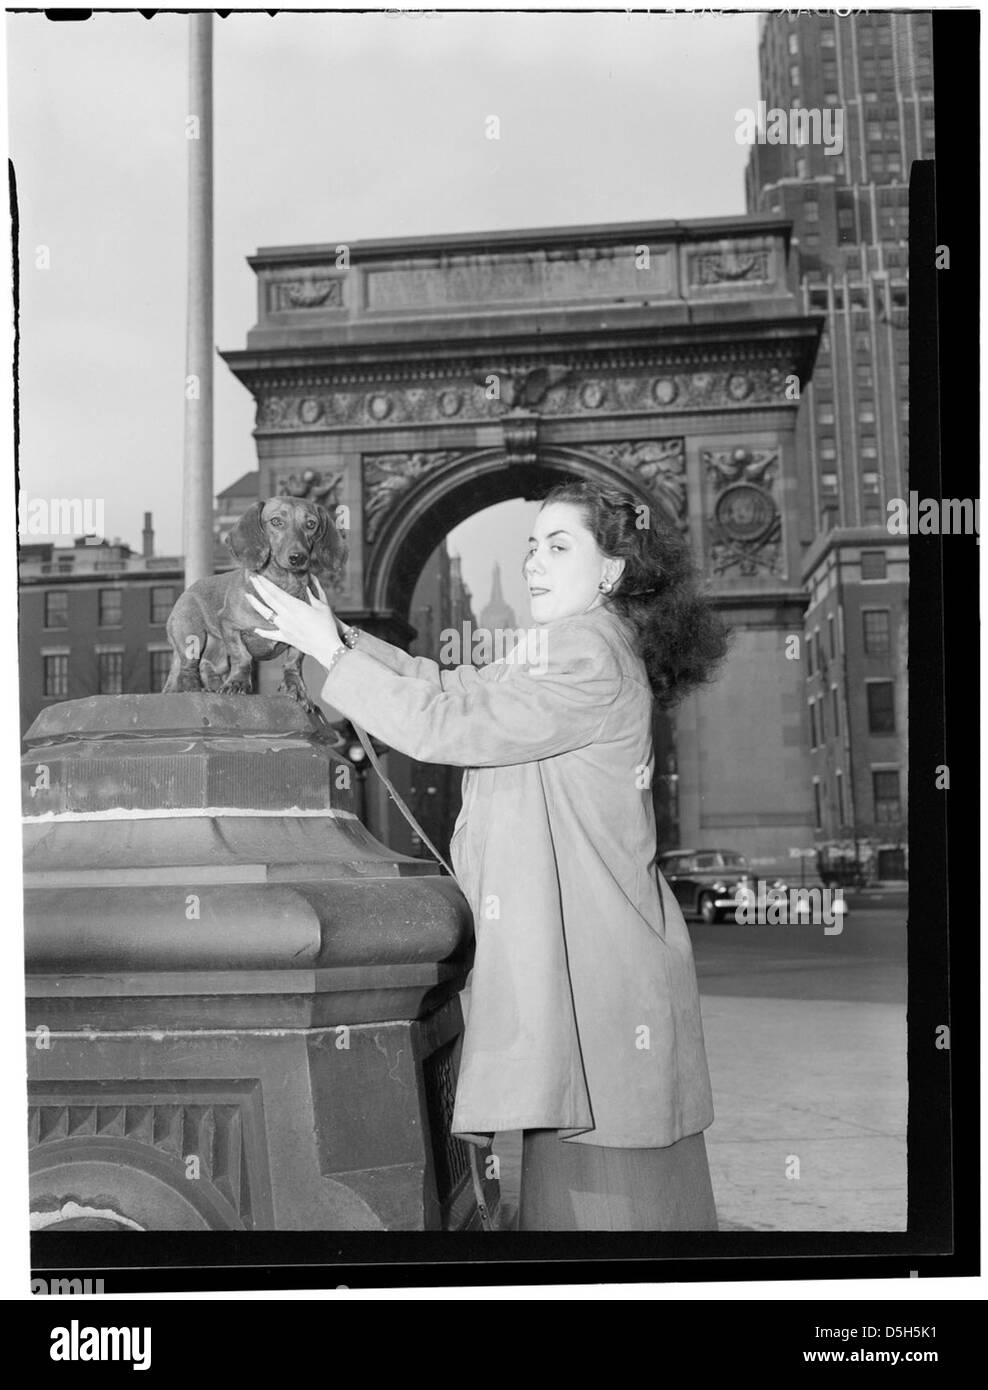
(243, 1010)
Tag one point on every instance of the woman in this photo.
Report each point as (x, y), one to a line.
(584, 1025)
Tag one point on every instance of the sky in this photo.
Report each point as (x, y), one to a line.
(328, 128)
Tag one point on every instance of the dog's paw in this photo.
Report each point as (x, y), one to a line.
(236, 687)
(186, 683)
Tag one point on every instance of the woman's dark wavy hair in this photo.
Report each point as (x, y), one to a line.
(680, 636)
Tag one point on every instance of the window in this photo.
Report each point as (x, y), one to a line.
(894, 164)
(869, 482)
(862, 340)
(864, 374)
(812, 723)
(793, 44)
(816, 803)
(839, 787)
(881, 707)
(811, 240)
(794, 74)
(821, 704)
(845, 219)
(825, 415)
(876, 164)
(801, 168)
(828, 484)
(832, 635)
(876, 631)
(829, 518)
(885, 788)
(110, 609)
(866, 411)
(827, 39)
(710, 860)
(873, 128)
(873, 564)
(57, 608)
(110, 673)
(812, 210)
(871, 96)
(161, 663)
(835, 703)
(56, 676)
(162, 602)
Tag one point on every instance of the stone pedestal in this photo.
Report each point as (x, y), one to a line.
(243, 1010)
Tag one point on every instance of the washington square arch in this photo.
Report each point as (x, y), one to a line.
(423, 380)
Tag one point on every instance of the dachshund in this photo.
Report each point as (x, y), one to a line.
(211, 627)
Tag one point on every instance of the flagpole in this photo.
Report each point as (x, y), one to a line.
(197, 495)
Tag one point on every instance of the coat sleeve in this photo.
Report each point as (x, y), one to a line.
(493, 717)
(420, 667)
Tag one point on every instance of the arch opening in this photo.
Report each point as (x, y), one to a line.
(457, 491)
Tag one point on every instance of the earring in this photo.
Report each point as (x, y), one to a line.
(604, 587)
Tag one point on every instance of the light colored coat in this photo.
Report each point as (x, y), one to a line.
(584, 1010)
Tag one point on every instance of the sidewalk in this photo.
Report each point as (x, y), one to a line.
(821, 1082)
(816, 1088)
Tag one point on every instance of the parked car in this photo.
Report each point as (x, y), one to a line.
(706, 881)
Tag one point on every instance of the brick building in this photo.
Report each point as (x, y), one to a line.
(92, 620)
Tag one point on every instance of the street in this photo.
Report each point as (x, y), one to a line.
(806, 1042)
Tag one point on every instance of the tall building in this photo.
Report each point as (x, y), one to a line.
(847, 106)
(497, 612)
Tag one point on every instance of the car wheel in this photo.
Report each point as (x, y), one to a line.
(708, 911)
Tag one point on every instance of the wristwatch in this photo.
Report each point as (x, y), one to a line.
(349, 635)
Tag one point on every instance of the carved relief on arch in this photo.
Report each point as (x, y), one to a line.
(453, 395)
(658, 466)
(744, 524)
(388, 478)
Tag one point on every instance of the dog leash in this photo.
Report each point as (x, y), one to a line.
(395, 795)
(474, 1155)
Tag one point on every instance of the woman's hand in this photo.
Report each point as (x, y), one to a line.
(310, 627)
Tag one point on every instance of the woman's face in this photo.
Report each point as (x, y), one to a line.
(563, 566)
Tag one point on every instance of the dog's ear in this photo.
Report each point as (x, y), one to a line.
(330, 550)
(248, 541)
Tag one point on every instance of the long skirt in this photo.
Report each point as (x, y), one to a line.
(586, 1187)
